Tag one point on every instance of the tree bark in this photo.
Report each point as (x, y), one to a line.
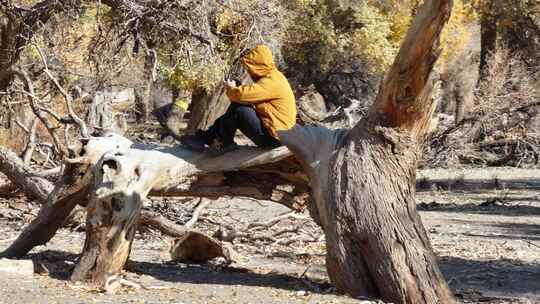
(461, 104)
(70, 190)
(206, 107)
(363, 185)
(23, 177)
(110, 228)
(488, 39)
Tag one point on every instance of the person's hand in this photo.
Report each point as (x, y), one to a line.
(229, 84)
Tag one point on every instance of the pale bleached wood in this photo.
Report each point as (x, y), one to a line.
(126, 173)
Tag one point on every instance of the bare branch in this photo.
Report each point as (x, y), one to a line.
(202, 204)
(31, 144)
(67, 97)
(32, 98)
(23, 177)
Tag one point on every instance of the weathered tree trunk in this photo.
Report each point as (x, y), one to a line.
(206, 106)
(461, 102)
(142, 100)
(23, 177)
(125, 176)
(363, 180)
(9, 30)
(70, 190)
(150, 66)
(110, 227)
(104, 112)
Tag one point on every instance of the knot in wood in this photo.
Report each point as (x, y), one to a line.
(400, 142)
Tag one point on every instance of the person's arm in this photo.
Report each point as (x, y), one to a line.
(248, 94)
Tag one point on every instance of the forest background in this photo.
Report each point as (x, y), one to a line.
(335, 53)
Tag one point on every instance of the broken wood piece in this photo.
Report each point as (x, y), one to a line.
(157, 221)
(195, 216)
(196, 247)
(271, 222)
(115, 282)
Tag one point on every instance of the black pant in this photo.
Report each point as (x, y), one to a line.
(243, 118)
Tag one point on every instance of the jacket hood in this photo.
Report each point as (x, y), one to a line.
(259, 62)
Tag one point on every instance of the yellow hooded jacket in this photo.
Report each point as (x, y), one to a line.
(271, 94)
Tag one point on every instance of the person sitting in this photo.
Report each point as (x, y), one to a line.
(258, 110)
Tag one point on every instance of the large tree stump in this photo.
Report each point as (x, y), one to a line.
(71, 189)
(111, 223)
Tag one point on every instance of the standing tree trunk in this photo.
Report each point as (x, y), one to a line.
(363, 180)
(206, 107)
(488, 39)
(463, 100)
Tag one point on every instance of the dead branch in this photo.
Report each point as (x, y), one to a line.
(195, 216)
(23, 176)
(158, 222)
(30, 145)
(67, 97)
(145, 15)
(277, 219)
(32, 99)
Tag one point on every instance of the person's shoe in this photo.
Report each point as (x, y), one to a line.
(219, 149)
(193, 142)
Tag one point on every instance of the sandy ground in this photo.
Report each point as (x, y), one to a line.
(488, 244)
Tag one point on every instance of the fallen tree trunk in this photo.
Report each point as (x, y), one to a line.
(66, 195)
(125, 175)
